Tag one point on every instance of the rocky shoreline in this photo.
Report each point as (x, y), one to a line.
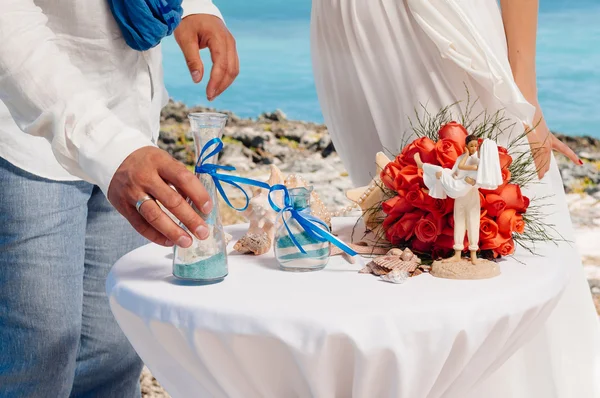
(306, 149)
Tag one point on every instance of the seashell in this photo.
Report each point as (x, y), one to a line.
(395, 252)
(261, 232)
(417, 272)
(397, 261)
(395, 276)
(394, 262)
(385, 264)
(255, 243)
(407, 255)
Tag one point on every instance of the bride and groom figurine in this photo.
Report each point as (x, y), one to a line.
(478, 167)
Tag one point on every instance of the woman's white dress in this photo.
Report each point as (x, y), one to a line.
(377, 62)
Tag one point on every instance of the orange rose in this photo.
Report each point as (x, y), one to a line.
(389, 222)
(439, 207)
(447, 151)
(514, 199)
(494, 204)
(455, 132)
(426, 230)
(389, 174)
(404, 228)
(416, 197)
(505, 160)
(505, 249)
(510, 221)
(506, 176)
(495, 242)
(423, 146)
(520, 224)
(409, 176)
(488, 229)
(396, 206)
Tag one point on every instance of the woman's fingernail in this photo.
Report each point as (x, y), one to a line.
(580, 162)
(206, 207)
(168, 243)
(202, 232)
(212, 94)
(184, 241)
(196, 76)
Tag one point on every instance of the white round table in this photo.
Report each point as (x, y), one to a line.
(263, 332)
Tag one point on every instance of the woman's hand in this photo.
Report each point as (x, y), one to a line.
(199, 31)
(543, 142)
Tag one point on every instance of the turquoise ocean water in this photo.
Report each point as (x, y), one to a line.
(276, 71)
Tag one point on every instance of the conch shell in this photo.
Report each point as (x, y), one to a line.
(261, 233)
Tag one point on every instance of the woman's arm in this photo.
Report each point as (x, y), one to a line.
(520, 27)
(520, 19)
(463, 164)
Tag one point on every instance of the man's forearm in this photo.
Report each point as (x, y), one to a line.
(520, 26)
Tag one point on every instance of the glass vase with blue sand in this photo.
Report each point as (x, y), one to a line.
(288, 255)
(205, 260)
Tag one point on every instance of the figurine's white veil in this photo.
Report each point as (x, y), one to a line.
(489, 175)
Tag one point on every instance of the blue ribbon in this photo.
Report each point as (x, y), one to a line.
(202, 166)
(308, 222)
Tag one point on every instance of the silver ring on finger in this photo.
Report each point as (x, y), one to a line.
(141, 202)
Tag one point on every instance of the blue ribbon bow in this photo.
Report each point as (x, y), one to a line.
(211, 169)
(310, 224)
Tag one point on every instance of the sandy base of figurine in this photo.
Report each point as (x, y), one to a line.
(464, 269)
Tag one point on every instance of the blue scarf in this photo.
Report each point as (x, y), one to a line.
(144, 23)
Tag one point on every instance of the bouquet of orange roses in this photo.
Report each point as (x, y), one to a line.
(416, 220)
(409, 217)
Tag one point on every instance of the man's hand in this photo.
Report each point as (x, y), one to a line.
(148, 171)
(199, 31)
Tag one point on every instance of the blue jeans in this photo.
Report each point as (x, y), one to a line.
(58, 337)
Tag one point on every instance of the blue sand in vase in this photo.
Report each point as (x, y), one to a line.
(205, 260)
(209, 269)
(290, 258)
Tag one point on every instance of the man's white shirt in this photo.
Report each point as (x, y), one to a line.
(75, 100)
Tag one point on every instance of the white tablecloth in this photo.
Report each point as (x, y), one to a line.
(263, 332)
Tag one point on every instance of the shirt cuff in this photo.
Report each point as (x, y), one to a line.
(191, 7)
(100, 158)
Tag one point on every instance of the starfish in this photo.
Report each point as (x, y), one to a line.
(369, 196)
